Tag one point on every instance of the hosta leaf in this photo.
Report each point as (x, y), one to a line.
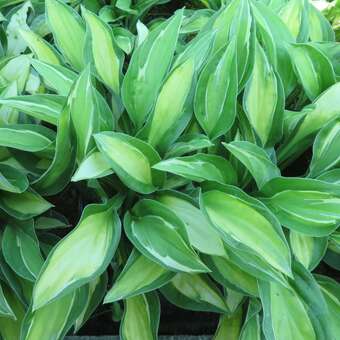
(197, 50)
(234, 215)
(281, 184)
(160, 235)
(229, 326)
(255, 159)
(325, 108)
(25, 137)
(295, 15)
(124, 39)
(131, 159)
(68, 31)
(264, 112)
(334, 242)
(242, 30)
(89, 247)
(200, 167)
(140, 275)
(17, 69)
(312, 68)
(21, 249)
(56, 77)
(9, 327)
(50, 320)
(24, 205)
(97, 290)
(5, 308)
(93, 166)
(106, 56)
(273, 31)
(45, 107)
(41, 48)
(202, 236)
(12, 179)
(171, 114)
(60, 170)
(313, 213)
(331, 293)
(216, 92)
(147, 69)
(308, 250)
(320, 28)
(141, 317)
(325, 149)
(226, 273)
(306, 286)
(86, 113)
(17, 21)
(251, 329)
(252, 263)
(188, 143)
(194, 292)
(279, 301)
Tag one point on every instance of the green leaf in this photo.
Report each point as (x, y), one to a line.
(294, 14)
(235, 215)
(229, 326)
(320, 28)
(264, 112)
(255, 159)
(140, 275)
(308, 250)
(148, 66)
(68, 31)
(12, 179)
(81, 255)
(325, 149)
(202, 236)
(21, 251)
(106, 56)
(229, 275)
(16, 44)
(171, 113)
(41, 48)
(93, 166)
(313, 69)
(331, 293)
(216, 92)
(160, 235)
(141, 317)
(5, 308)
(24, 205)
(188, 143)
(46, 107)
(277, 301)
(50, 320)
(26, 137)
(9, 327)
(251, 329)
(97, 290)
(58, 78)
(86, 113)
(194, 292)
(59, 172)
(200, 167)
(131, 159)
(325, 108)
(313, 213)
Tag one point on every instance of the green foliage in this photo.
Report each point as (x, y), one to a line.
(148, 148)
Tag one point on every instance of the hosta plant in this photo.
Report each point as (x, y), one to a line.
(198, 148)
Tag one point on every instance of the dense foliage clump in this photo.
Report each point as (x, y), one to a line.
(170, 134)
